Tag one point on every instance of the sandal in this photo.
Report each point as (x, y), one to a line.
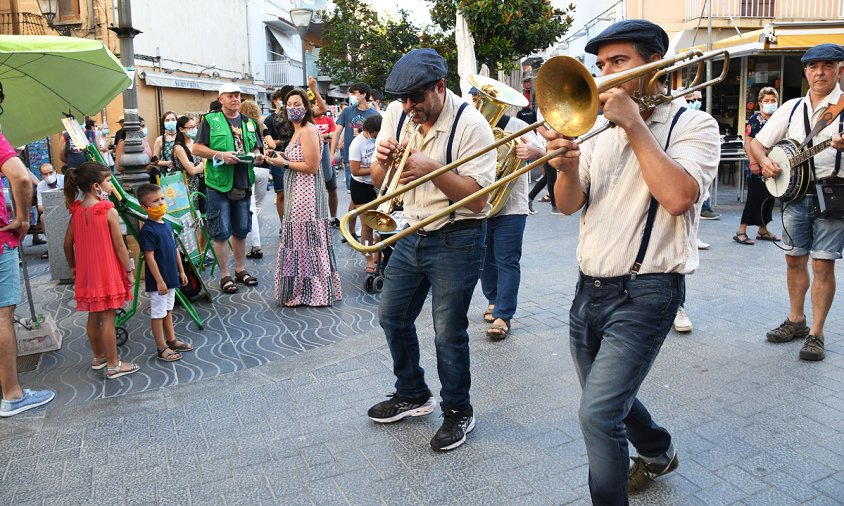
(45, 255)
(499, 332)
(227, 285)
(743, 239)
(488, 318)
(116, 372)
(168, 357)
(177, 345)
(370, 269)
(245, 278)
(255, 253)
(767, 236)
(99, 363)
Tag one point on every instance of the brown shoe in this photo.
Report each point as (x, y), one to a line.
(812, 348)
(789, 330)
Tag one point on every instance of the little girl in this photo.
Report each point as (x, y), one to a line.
(103, 273)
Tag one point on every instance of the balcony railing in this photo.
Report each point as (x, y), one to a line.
(22, 23)
(281, 72)
(766, 9)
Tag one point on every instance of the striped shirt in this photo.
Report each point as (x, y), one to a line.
(613, 220)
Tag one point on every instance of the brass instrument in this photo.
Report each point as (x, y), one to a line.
(567, 96)
(493, 99)
(380, 219)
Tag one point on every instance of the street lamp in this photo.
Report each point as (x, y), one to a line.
(302, 20)
(48, 9)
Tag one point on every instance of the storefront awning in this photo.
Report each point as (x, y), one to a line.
(781, 37)
(193, 83)
(292, 45)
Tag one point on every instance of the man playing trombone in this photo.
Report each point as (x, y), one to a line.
(640, 186)
(445, 256)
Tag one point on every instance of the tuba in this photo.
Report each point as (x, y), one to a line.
(494, 98)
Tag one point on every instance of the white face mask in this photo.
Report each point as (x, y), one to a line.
(353, 99)
(769, 108)
(51, 179)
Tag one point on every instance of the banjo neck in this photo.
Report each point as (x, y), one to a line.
(806, 154)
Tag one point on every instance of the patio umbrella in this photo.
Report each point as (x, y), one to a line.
(46, 77)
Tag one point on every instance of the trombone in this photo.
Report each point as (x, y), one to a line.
(567, 96)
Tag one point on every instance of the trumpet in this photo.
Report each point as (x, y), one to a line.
(380, 219)
(567, 96)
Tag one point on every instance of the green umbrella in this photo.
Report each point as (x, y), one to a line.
(46, 77)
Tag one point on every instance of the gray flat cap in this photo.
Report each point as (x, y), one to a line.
(637, 30)
(414, 70)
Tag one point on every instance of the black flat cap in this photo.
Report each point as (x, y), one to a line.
(823, 52)
(414, 70)
(637, 30)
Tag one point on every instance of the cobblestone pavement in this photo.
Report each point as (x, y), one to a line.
(753, 424)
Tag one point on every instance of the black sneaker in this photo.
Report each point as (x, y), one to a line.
(789, 330)
(456, 426)
(335, 222)
(398, 407)
(812, 348)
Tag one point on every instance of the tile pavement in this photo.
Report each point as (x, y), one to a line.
(752, 423)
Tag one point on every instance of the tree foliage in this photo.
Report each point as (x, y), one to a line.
(505, 30)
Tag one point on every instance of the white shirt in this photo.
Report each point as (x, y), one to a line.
(613, 220)
(44, 187)
(778, 128)
(517, 202)
(472, 133)
(361, 151)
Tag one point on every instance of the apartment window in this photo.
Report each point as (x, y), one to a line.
(68, 12)
(757, 8)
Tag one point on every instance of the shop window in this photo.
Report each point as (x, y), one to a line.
(757, 8)
(68, 12)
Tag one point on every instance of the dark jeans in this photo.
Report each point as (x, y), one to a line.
(447, 265)
(617, 326)
(548, 179)
(502, 273)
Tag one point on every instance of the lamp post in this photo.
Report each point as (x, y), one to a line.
(133, 161)
(48, 9)
(302, 20)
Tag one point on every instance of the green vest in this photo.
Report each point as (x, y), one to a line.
(221, 178)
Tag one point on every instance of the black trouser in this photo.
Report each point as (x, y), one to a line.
(548, 179)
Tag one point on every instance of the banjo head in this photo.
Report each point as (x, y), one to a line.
(782, 185)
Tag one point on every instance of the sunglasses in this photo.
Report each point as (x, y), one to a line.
(690, 100)
(416, 96)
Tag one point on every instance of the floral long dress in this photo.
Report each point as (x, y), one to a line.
(307, 270)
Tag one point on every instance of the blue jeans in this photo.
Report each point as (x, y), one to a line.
(617, 326)
(706, 206)
(502, 273)
(348, 169)
(226, 217)
(447, 265)
(821, 238)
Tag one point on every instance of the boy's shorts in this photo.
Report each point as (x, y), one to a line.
(10, 277)
(160, 305)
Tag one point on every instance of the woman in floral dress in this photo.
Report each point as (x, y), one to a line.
(307, 271)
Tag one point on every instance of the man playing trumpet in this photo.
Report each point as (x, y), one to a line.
(444, 258)
(655, 163)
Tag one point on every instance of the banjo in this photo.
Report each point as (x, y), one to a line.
(793, 182)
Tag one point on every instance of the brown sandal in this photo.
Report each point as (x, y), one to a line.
(245, 278)
(227, 285)
(488, 318)
(173, 356)
(177, 345)
(499, 332)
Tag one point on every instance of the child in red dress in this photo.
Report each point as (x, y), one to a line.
(98, 260)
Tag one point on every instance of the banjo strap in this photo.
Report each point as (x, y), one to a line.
(807, 143)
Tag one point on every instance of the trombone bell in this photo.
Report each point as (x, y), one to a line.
(379, 221)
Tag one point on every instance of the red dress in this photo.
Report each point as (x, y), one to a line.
(101, 280)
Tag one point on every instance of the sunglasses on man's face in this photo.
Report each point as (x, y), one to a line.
(690, 100)
(416, 96)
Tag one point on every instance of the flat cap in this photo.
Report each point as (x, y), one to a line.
(473, 91)
(414, 70)
(637, 30)
(229, 88)
(823, 52)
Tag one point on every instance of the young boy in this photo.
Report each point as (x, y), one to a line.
(164, 271)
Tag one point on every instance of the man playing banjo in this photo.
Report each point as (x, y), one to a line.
(805, 234)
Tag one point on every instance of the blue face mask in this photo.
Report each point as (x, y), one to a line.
(769, 108)
(144, 131)
(170, 126)
(295, 114)
(192, 133)
(105, 131)
(695, 105)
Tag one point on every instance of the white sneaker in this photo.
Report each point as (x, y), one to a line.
(702, 245)
(682, 323)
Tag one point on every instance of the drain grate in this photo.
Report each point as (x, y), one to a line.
(29, 363)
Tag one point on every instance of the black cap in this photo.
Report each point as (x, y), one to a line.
(414, 70)
(635, 30)
(823, 52)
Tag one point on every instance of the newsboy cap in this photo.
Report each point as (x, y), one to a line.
(473, 91)
(634, 30)
(414, 70)
(823, 52)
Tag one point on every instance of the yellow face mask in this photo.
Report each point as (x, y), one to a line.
(156, 213)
